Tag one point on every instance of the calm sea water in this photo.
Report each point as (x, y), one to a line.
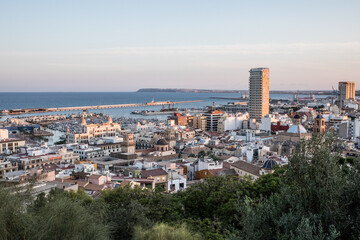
(60, 99)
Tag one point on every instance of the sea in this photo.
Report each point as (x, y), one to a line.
(19, 100)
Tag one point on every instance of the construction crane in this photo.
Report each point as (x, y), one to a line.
(334, 91)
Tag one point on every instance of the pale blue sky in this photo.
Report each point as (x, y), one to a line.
(84, 45)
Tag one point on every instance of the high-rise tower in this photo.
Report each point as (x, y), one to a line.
(346, 91)
(258, 93)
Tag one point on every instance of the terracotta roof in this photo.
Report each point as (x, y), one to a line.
(146, 151)
(161, 142)
(96, 194)
(79, 183)
(247, 167)
(226, 165)
(212, 134)
(140, 180)
(125, 183)
(153, 172)
(163, 158)
(10, 140)
(222, 172)
(228, 172)
(50, 167)
(94, 187)
(215, 172)
(194, 150)
(95, 176)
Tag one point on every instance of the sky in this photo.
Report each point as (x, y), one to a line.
(115, 45)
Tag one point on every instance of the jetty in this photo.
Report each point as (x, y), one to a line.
(85, 108)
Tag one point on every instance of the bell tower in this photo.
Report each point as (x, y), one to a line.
(128, 145)
(170, 137)
(319, 125)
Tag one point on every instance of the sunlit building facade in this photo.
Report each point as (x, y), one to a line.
(258, 93)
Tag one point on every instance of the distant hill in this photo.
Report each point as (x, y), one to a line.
(188, 90)
(316, 92)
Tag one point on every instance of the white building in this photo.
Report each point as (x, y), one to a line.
(231, 122)
(266, 121)
(86, 152)
(85, 167)
(208, 163)
(4, 133)
(176, 182)
(350, 129)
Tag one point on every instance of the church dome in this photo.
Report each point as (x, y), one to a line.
(83, 121)
(269, 164)
(296, 128)
(109, 119)
(297, 116)
(161, 142)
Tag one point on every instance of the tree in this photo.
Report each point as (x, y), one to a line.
(14, 221)
(64, 218)
(201, 154)
(123, 220)
(313, 202)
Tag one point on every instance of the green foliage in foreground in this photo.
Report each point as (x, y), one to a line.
(165, 232)
(57, 216)
(317, 196)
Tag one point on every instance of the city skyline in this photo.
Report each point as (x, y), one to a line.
(123, 46)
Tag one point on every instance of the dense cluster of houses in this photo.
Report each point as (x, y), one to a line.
(174, 154)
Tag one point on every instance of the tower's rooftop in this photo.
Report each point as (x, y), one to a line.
(258, 69)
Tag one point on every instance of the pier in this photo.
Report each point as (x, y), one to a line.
(84, 108)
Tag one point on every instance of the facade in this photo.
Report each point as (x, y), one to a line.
(180, 119)
(267, 121)
(258, 93)
(95, 131)
(212, 120)
(11, 145)
(349, 129)
(159, 175)
(176, 182)
(26, 163)
(68, 156)
(231, 122)
(346, 91)
(199, 122)
(89, 152)
(4, 133)
(109, 148)
(6, 167)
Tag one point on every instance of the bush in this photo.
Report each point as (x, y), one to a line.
(165, 232)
